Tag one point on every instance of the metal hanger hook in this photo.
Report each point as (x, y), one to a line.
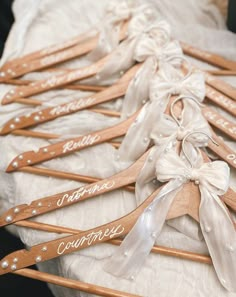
(189, 134)
(181, 97)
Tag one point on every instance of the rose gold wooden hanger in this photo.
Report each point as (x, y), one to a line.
(11, 216)
(23, 161)
(72, 284)
(115, 91)
(186, 202)
(78, 74)
(47, 51)
(221, 72)
(81, 47)
(15, 125)
(174, 252)
(208, 57)
(75, 144)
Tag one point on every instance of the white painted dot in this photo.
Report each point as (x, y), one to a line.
(4, 264)
(16, 210)
(38, 259)
(15, 164)
(13, 267)
(8, 219)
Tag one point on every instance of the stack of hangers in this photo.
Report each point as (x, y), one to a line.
(153, 125)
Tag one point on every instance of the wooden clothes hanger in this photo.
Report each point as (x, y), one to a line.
(208, 57)
(74, 75)
(3, 262)
(56, 58)
(36, 207)
(114, 229)
(72, 243)
(118, 89)
(85, 72)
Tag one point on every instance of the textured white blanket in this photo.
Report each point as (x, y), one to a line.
(43, 22)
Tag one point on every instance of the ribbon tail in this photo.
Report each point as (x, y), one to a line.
(220, 236)
(138, 90)
(138, 138)
(130, 256)
(108, 41)
(144, 184)
(123, 54)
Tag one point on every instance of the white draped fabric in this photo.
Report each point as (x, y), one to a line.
(44, 22)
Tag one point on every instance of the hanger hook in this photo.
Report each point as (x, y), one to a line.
(181, 97)
(189, 134)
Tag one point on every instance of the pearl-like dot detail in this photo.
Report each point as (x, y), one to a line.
(125, 254)
(12, 126)
(144, 101)
(34, 212)
(197, 182)
(16, 210)
(223, 281)
(8, 219)
(45, 150)
(2, 74)
(40, 204)
(29, 161)
(153, 235)
(20, 157)
(15, 164)
(21, 93)
(15, 260)
(207, 229)
(13, 267)
(17, 120)
(145, 139)
(38, 259)
(36, 118)
(4, 264)
(230, 248)
(44, 249)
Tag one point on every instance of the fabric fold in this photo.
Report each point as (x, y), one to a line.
(215, 221)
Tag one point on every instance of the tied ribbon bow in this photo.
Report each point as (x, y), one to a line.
(122, 58)
(165, 131)
(151, 50)
(217, 227)
(118, 11)
(193, 84)
(164, 135)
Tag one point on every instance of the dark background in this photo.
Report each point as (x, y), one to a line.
(12, 285)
